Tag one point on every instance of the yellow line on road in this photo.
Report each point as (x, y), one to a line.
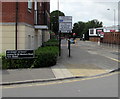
(113, 59)
(56, 82)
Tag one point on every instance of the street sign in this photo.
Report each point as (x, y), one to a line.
(19, 54)
(65, 19)
(65, 27)
(102, 35)
(65, 24)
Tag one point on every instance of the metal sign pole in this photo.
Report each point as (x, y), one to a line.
(69, 45)
(59, 43)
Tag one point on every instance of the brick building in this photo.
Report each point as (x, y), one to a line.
(24, 25)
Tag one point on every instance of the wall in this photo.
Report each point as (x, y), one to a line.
(8, 36)
(28, 37)
(113, 38)
(24, 15)
(0, 27)
(94, 39)
(47, 35)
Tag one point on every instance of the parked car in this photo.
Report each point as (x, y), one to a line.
(72, 41)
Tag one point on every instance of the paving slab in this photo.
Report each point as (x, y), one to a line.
(60, 71)
(26, 74)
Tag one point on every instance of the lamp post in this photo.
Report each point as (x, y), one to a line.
(114, 17)
(59, 32)
(114, 27)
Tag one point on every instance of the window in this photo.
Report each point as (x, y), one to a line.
(92, 31)
(29, 4)
(40, 4)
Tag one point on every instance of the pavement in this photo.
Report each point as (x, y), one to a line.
(87, 59)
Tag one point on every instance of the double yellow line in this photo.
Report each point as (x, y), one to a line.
(56, 82)
(113, 59)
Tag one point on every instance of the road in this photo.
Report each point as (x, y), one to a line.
(104, 86)
(88, 55)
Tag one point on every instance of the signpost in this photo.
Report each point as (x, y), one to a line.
(65, 26)
(19, 54)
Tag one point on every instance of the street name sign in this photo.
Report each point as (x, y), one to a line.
(65, 24)
(19, 54)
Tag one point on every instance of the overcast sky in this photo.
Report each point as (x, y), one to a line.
(86, 10)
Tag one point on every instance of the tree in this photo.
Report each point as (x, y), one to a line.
(54, 16)
(91, 24)
(78, 28)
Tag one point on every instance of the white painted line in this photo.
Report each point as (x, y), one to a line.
(91, 52)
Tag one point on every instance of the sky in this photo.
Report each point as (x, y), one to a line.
(87, 10)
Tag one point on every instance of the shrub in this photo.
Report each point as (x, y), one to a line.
(2, 54)
(16, 63)
(51, 42)
(46, 56)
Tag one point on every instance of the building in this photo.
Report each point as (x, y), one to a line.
(109, 34)
(24, 25)
(94, 34)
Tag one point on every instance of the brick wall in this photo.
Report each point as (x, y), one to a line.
(94, 39)
(25, 15)
(9, 12)
(113, 38)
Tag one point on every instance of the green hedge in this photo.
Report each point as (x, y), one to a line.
(51, 42)
(16, 63)
(46, 56)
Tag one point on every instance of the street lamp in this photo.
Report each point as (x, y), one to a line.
(59, 32)
(113, 39)
(114, 17)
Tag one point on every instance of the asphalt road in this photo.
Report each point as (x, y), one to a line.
(85, 52)
(106, 86)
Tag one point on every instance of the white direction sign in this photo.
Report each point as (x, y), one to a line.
(65, 24)
(65, 19)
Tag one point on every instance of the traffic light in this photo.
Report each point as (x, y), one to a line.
(74, 34)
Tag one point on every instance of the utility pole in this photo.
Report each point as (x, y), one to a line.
(16, 26)
(114, 18)
(59, 32)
